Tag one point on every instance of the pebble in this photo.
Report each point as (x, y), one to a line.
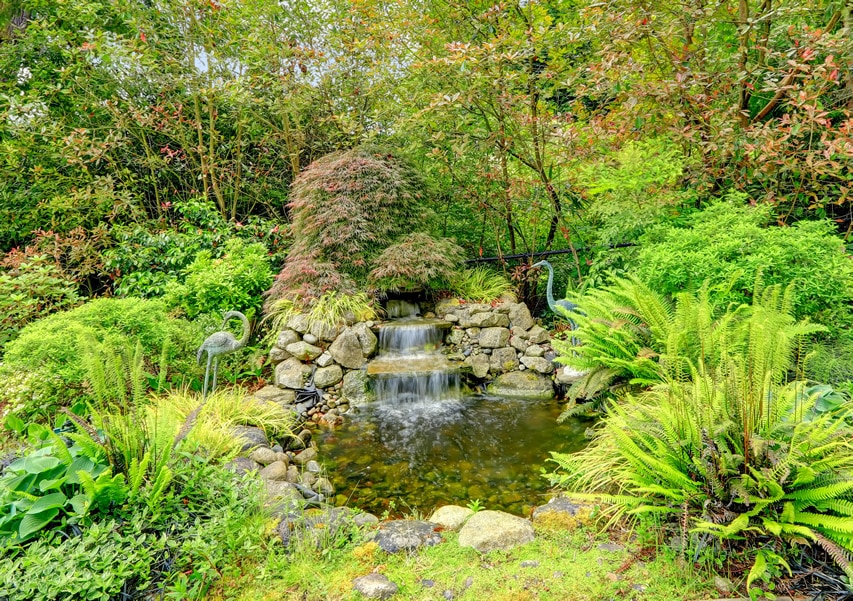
(529, 563)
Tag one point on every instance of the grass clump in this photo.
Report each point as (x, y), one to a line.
(482, 285)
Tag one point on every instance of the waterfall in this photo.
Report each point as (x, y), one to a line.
(410, 368)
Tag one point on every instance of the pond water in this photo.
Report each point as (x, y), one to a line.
(420, 454)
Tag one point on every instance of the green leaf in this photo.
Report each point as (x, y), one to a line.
(79, 503)
(15, 423)
(759, 568)
(33, 522)
(51, 501)
(37, 465)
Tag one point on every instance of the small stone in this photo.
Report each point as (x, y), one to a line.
(365, 519)
(292, 474)
(518, 343)
(252, 437)
(375, 586)
(308, 479)
(451, 516)
(241, 465)
(538, 335)
(305, 456)
(291, 373)
(723, 585)
(304, 351)
(263, 455)
(451, 317)
(278, 355)
(282, 456)
(611, 547)
(324, 360)
(529, 563)
(538, 364)
(324, 486)
(448, 594)
(275, 471)
(313, 466)
(299, 322)
(277, 448)
(503, 360)
(534, 350)
(406, 535)
(328, 376)
(426, 583)
(286, 337)
(310, 339)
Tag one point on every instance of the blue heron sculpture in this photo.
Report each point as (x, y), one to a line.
(566, 307)
(221, 343)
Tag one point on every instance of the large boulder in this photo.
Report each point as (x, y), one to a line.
(522, 384)
(495, 530)
(451, 516)
(503, 359)
(346, 349)
(251, 437)
(356, 388)
(304, 351)
(406, 535)
(291, 374)
(519, 316)
(494, 337)
(328, 376)
(486, 319)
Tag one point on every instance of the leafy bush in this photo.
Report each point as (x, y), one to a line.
(236, 281)
(53, 347)
(733, 449)
(732, 244)
(417, 261)
(481, 285)
(53, 485)
(35, 288)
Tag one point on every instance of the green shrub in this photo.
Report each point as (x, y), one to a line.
(481, 285)
(729, 448)
(415, 262)
(33, 289)
(53, 347)
(234, 282)
(732, 244)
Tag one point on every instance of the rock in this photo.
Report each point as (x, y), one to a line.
(523, 334)
(305, 456)
(447, 305)
(324, 486)
(568, 375)
(356, 388)
(278, 355)
(366, 338)
(308, 479)
(526, 384)
(538, 364)
(723, 585)
(451, 516)
(276, 470)
(485, 320)
(529, 563)
(291, 374)
(252, 437)
(519, 343)
(562, 513)
(313, 466)
(406, 535)
(494, 337)
(611, 547)
(479, 365)
(519, 316)
(538, 335)
(473, 333)
(324, 331)
(375, 586)
(281, 494)
(263, 455)
(365, 519)
(451, 317)
(328, 376)
(293, 474)
(310, 339)
(286, 338)
(455, 337)
(241, 465)
(299, 322)
(491, 530)
(534, 350)
(324, 360)
(503, 360)
(304, 351)
(346, 349)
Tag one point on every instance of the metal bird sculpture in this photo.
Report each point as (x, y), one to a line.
(221, 343)
(566, 307)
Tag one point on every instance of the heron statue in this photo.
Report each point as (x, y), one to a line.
(566, 307)
(221, 343)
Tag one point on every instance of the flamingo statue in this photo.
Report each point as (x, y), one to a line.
(221, 343)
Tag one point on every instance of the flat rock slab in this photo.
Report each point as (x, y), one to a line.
(406, 535)
(451, 516)
(522, 384)
(493, 530)
(375, 586)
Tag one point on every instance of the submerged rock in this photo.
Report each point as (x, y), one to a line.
(526, 384)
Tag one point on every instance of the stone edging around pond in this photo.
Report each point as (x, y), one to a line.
(500, 345)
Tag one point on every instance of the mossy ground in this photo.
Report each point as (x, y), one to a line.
(571, 566)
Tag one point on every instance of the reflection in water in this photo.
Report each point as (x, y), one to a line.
(424, 453)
